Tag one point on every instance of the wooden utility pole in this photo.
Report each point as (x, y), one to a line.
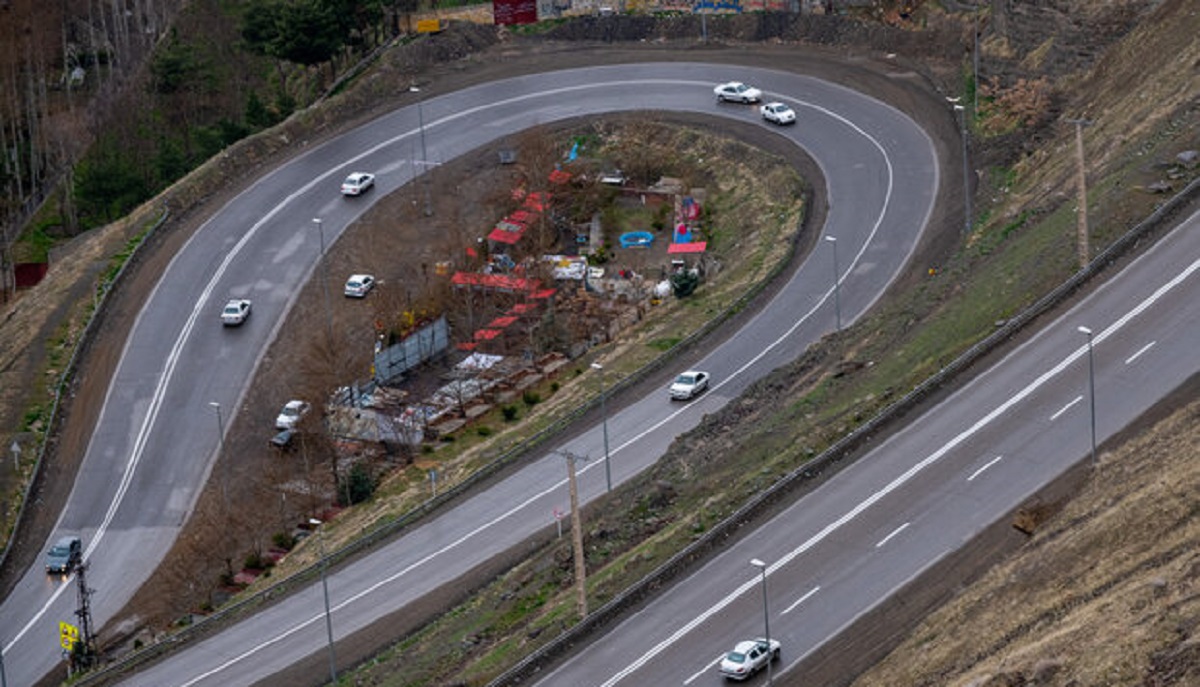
(1082, 228)
(576, 532)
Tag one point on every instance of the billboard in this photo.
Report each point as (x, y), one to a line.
(507, 12)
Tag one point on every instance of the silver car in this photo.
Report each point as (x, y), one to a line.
(778, 113)
(749, 657)
(688, 385)
(235, 312)
(737, 91)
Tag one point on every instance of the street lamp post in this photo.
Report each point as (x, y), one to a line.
(1091, 388)
(221, 452)
(837, 298)
(576, 532)
(325, 281)
(604, 413)
(424, 153)
(325, 588)
(962, 126)
(762, 569)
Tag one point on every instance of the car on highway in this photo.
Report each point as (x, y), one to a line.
(64, 556)
(359, 285)
(688, 385)
(778, 113)
(358, 183)
(738, 92)
(291, 414)
(235, 312)
(748, 657)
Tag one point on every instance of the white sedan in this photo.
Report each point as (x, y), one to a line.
(291, 414)
(358, 183)
(778, 113)
(359, 285)
(235, 312)
(749, 657)
(688, 385)
(738, 92)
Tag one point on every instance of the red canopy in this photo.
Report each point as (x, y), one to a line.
(694, 247)
(499, 282)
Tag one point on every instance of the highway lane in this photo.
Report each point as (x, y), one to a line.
(849, 545)
(149, 455)
(882, 179)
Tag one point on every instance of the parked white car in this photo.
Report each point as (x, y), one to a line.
(737, 91)
(291, 415)
(359, 285)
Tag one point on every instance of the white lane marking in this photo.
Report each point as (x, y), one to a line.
(912, 472)
(879, 544)
(704, 671)
(1139, 353)
(801, 600)
(986, 465)
(1065, 408)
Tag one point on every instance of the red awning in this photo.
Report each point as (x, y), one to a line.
(522, 308)
(694, 247)
(501, 322)
(536, 201)
(505, 236)
(486, 334)
(500, 282)
(544, 293)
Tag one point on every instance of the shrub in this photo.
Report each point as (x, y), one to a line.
(509, 412)
(531, 398)
(483, 431)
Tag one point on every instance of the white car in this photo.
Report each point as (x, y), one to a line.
(235, 312)
(688, 385)
(358, 183)
(738, 92)
(359, 285)
(778, 113)
(749, 657)
(291, 415)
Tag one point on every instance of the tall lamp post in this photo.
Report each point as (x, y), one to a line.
(962, 126)
(762, 569)
(576, 531)
(604, 413)
(424, 154)
(1091, 387)
(221, 452)
(837, 298)
(325, 280)
(325, 587)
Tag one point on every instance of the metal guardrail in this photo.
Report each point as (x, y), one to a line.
(68, 375)
(667, 573)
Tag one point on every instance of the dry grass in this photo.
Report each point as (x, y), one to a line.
(1099, 596)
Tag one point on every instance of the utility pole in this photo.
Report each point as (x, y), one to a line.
(85, 651)
(576, 532)
(1082, 227)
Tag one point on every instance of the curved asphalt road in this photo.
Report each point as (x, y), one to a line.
(149, 456)
(848, 546)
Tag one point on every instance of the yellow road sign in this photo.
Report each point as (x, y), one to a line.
(68, 634)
